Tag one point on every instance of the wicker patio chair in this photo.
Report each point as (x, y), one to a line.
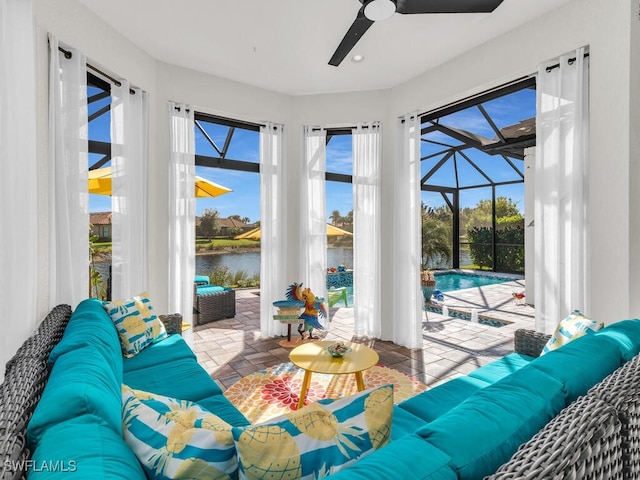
(212, 306)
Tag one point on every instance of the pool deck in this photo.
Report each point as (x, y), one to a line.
(232, 348)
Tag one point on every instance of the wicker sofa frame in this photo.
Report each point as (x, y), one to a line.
(210, 307)
(25, 377)
(595, 437)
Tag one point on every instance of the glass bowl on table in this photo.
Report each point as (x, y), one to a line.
(338, 350)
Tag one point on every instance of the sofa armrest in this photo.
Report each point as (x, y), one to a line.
(172, 323)
(529, 342)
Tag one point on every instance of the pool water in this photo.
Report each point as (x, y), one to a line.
(450, 281)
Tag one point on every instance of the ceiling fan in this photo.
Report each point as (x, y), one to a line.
(375, 10)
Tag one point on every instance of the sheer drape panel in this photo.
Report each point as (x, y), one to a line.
(407, 298)
(68, 196)
(273, 228)
(313, 213)
(366, 240)
(18, 181)
(561, 190)
(129, 146)
(181, 210)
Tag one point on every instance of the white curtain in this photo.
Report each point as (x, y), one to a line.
(561, 190)
(407, 297)
(313, 214)
(182, 206)
(366, 241)
(273, 228)
(68, 160)
(129, 146)
(19, 178)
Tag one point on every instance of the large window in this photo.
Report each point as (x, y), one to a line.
(473, 179)
(228, 155)
(99, 135)
(339, 195)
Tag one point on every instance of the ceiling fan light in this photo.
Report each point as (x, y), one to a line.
(377, 10)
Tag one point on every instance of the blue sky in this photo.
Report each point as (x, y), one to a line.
(244, 200)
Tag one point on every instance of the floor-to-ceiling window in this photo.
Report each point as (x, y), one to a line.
(472, 161)
(228, 207)
(339, 200)
(99, 134)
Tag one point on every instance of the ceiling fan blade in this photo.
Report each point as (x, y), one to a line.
(447, 6)
(360, 25)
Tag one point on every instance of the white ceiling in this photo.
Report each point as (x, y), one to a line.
(284, 45)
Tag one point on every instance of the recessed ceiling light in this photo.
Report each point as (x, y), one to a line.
(357, 58)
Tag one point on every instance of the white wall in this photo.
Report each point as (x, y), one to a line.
(610, 29)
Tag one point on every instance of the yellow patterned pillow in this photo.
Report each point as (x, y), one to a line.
(136, 323)
(177, 439)
(317, 440)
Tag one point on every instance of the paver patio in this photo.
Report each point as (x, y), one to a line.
(232, 348)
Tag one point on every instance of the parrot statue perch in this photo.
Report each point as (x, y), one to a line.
(313, 306)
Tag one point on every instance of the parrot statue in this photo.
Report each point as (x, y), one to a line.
(313, 306)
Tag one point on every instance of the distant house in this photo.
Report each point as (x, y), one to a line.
(229, 227)
(101, 225)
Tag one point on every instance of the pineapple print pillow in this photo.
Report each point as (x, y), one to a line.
(136, 323)
(176, 438)
(317, 440)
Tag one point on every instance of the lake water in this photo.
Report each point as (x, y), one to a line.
(250, 261)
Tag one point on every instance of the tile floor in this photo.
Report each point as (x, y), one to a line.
(232, 348)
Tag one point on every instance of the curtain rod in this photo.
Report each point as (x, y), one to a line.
(570, 62)
(68, 55)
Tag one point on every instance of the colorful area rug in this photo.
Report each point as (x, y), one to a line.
(274, 391)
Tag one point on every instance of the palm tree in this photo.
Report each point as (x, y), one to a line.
(436, 238)
(335, 217)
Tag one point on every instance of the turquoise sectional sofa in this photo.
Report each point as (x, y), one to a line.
(466, 428)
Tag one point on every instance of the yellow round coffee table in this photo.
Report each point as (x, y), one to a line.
(313, 357)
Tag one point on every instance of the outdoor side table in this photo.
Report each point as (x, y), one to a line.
(289, 313)
(312, 357)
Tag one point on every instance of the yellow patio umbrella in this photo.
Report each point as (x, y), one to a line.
(100, 184)
(254, 234)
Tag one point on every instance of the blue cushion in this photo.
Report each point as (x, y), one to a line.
(501, 368)
(80, 383)
(409, 458)
(432, 403)
(219, 405)
(84, 448)
(484, 431)
(90, 326)
(580, 364)
(183, 379)
(210, 289)
(627, 336)
(201, 279)
(172, 348)
(404, 423)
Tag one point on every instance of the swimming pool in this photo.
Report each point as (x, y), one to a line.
(450, 281)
